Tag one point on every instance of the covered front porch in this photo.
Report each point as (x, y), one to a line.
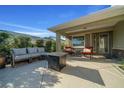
(100, 41)
(102, 30)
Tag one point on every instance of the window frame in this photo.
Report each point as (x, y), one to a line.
(81, 46)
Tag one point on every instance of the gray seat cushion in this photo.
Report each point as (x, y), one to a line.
(21, 57)
(34, 55)
(32, 50)
(44, 54)
(19, 51)
(40, 50)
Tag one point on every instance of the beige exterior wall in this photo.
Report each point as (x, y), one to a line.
(118, 36)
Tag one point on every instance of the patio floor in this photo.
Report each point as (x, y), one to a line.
(78, 73)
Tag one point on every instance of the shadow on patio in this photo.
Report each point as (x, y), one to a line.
(91, 75)
(26, 76)
(49, 79)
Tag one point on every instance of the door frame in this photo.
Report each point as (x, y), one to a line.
(110, 40)
(104, 33)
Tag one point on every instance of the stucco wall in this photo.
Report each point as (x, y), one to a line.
(118, 36)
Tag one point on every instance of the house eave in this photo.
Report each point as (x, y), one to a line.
(98, 16)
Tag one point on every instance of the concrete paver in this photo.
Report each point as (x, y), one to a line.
(77, 74)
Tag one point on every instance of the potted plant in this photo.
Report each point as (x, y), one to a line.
(2, 60)
(3, 48)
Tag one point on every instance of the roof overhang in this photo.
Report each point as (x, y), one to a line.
(102, 19)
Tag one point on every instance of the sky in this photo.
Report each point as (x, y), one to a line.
(35, 20)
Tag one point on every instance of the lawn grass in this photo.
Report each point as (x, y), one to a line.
(122, 64)
(122, 67)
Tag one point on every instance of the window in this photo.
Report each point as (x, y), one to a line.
(78, 41)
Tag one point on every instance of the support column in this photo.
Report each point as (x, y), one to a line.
(91, 44)
(58, 42)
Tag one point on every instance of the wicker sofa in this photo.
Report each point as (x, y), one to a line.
(21, 54)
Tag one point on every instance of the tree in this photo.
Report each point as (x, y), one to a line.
(53, 47)
(40, 43)
(22, 42)
(48, 46)
(3, 37)
(4, 48)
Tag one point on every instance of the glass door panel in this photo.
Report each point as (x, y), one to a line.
(103, 43)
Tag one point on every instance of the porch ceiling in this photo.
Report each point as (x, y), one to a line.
(107, 24)
(105, 19)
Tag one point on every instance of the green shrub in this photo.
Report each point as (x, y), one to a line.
(62, 46)
(53, 46)
(122, 62)
(4, 44)
(3, 37)
(40, 43)
(48, 46)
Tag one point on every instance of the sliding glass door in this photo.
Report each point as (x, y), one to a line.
(101, 42)
(104, 43)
